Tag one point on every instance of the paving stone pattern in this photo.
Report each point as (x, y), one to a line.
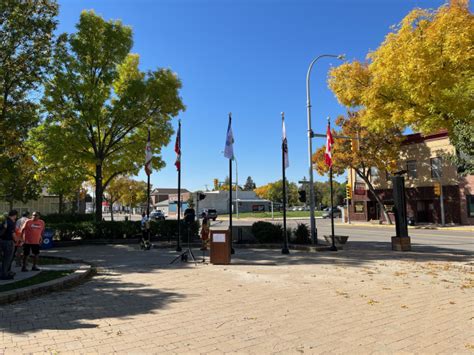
(352, 301)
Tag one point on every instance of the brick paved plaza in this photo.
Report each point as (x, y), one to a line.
(352, 301)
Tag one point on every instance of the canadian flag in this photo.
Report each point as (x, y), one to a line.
(329, 143)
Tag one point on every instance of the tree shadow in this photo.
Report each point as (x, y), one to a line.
(104, 297)
(356, 254)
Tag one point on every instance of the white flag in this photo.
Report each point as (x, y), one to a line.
(285, 145)
(229, 142)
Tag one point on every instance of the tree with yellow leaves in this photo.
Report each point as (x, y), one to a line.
(373, 151)
(420, 77)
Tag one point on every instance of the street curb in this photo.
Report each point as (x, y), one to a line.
(77, 277)
(448, 228)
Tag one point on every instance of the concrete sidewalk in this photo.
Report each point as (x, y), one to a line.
(352, 301)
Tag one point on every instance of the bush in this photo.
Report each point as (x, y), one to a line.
(68, 218)
(116, 229)
(301, 235)
(266, 232)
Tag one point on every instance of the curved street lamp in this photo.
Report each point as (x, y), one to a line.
(314, 233)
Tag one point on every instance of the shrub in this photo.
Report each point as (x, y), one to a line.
(301, 234)
(116, 229)
(266, 232)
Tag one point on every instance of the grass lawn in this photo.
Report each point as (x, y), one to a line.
(43, 276)
(289, 214)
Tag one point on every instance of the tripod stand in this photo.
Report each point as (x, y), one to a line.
(188, 252)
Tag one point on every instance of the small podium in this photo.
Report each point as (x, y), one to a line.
(220, 247)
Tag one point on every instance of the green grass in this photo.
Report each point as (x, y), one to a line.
(289, 214)
(43, 276)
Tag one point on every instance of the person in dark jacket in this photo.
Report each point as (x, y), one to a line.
(7, 244)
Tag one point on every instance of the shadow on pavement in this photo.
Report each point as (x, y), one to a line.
(104, 297)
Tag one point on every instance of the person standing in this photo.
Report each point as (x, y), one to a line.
(18, 240)
(205, 227)
(145, 225)
(32, 234)
(7, 244)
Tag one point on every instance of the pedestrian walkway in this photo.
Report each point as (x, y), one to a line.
(352, 301)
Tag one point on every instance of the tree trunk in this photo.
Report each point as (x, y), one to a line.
(61, 203)
(98, 192)
(377, 198)
(10, 204)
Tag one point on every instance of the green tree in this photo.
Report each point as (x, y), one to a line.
(421, 77)
(62, 175)
(274, 192)
(249, 184)
(26, 32)
(104, 104)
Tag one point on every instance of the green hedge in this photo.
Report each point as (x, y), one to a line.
(116, 229)
(68, 217)
(266, 232)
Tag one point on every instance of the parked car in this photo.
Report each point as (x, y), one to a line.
(210, 213)
(157, 216)
(335, 212)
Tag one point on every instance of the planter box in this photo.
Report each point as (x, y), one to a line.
(401, 243)
(339, 240)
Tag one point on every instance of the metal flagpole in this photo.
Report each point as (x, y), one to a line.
(284, 148)
(178, 146)
(232, 251)
(148, 199)
(333, 246)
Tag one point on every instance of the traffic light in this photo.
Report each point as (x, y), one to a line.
(349, 192)
(437, 189)
(354, 145)
(201, 196)
(302, 195)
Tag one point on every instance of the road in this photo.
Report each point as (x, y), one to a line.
(442, 239)
(438, 239)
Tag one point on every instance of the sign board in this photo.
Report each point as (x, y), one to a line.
(218, 238)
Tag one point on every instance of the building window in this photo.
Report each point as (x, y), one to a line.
(470, 205)
(411, 167)
(436, 168)
(359, 206)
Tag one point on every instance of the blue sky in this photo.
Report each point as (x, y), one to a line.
(250, 58)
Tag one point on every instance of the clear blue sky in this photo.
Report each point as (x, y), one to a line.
(248, 57)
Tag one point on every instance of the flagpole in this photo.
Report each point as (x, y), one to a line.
(333, 246)
(232, 251)
(285, 249)
(178, 244)
(148, 198)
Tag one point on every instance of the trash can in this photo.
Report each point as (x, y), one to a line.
(220, 247)
(47, 238)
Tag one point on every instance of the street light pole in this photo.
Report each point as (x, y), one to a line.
(314, 232)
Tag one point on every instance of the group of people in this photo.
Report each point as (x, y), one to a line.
(20, 235)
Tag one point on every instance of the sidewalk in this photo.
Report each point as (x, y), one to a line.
(352, 301)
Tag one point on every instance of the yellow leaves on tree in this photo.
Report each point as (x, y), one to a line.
(421, 76)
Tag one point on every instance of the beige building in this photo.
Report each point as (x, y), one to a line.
(45, 204)
(424, 159)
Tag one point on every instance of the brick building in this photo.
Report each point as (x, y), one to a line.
(424, 158)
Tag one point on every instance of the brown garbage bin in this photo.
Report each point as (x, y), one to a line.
(220, 247)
